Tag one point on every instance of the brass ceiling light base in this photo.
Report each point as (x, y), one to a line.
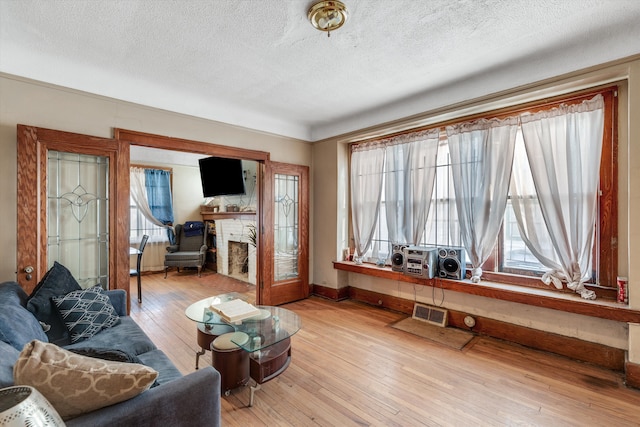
(328, 15)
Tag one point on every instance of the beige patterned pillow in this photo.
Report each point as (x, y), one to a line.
(76, 384)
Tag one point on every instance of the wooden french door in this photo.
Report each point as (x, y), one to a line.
(286, 234)
(44, 215)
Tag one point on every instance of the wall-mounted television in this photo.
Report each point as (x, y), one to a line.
(221, 176)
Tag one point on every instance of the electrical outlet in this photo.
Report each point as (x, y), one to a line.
(469, 321)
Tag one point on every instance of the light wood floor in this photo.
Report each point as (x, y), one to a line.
(350, 368)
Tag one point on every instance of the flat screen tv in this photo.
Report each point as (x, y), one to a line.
(221, 176)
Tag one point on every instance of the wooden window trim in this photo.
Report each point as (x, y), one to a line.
(606, 254)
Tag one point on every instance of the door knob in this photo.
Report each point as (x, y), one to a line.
(28, 269)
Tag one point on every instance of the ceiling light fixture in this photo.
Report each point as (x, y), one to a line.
(328, 15)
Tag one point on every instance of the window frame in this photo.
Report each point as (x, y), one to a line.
(605, 251)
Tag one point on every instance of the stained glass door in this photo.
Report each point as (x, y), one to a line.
(78, 215)
(68, 207)
(286, 225)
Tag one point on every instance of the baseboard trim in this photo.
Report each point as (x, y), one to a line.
(632, 377)
(596, 354)
(330, 293)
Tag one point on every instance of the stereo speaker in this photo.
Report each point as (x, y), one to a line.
(451, 264)
(397, 257)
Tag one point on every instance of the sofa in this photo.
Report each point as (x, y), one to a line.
(172, 399)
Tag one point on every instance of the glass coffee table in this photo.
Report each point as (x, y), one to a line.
(265, 337)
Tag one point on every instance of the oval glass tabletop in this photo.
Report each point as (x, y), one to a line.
(270, 326)
(201, 312)
(273, 325)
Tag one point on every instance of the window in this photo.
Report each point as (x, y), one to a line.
(150, 186)
(140, 226)
(511, 260)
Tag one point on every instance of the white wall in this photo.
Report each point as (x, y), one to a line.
(187, 194)
(330, 198)
(31, 103)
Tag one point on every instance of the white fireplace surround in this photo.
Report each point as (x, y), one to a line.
(234, 230)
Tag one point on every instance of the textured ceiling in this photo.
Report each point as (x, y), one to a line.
(260, 63)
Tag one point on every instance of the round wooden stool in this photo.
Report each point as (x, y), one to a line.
(206, 335)
(230, 360)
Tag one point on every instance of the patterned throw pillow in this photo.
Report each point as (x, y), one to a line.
(86, 312)
(76, 384)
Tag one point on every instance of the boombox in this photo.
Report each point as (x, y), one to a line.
(397, 257)
(451, 264)
(420, 261)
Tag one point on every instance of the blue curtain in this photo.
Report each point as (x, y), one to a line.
(158, 185)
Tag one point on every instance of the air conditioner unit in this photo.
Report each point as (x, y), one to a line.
(427, 313)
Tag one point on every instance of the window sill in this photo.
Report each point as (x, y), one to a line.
(546, 298)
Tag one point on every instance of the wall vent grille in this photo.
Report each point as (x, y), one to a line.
(426, 313)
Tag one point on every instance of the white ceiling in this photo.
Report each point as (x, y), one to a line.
(260, 64)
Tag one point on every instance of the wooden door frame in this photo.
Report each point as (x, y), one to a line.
(34, 142)
(130, 137)
(294, 289)
(32, 146)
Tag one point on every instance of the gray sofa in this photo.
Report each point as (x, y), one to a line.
(175, 400)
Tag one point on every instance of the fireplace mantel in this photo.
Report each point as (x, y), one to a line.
(212, 216)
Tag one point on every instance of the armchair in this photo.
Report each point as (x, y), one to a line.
(190, 248)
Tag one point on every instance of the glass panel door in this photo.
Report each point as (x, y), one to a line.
(78, 215)
(286, 227)
(285, 245)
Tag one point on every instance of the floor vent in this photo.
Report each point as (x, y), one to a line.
(426, 313)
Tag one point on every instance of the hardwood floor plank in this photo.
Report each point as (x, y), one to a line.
(350, 368)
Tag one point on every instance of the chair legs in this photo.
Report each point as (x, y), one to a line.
(178, 269)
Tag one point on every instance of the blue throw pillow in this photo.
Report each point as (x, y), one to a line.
(17, 324)
(86, 312)
(8, 358)
(58, 281)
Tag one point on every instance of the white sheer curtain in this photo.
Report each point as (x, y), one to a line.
(526, 208)
(139, 195)
(367, 163)
(564, 146)
(481, 160)
(410, 170)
